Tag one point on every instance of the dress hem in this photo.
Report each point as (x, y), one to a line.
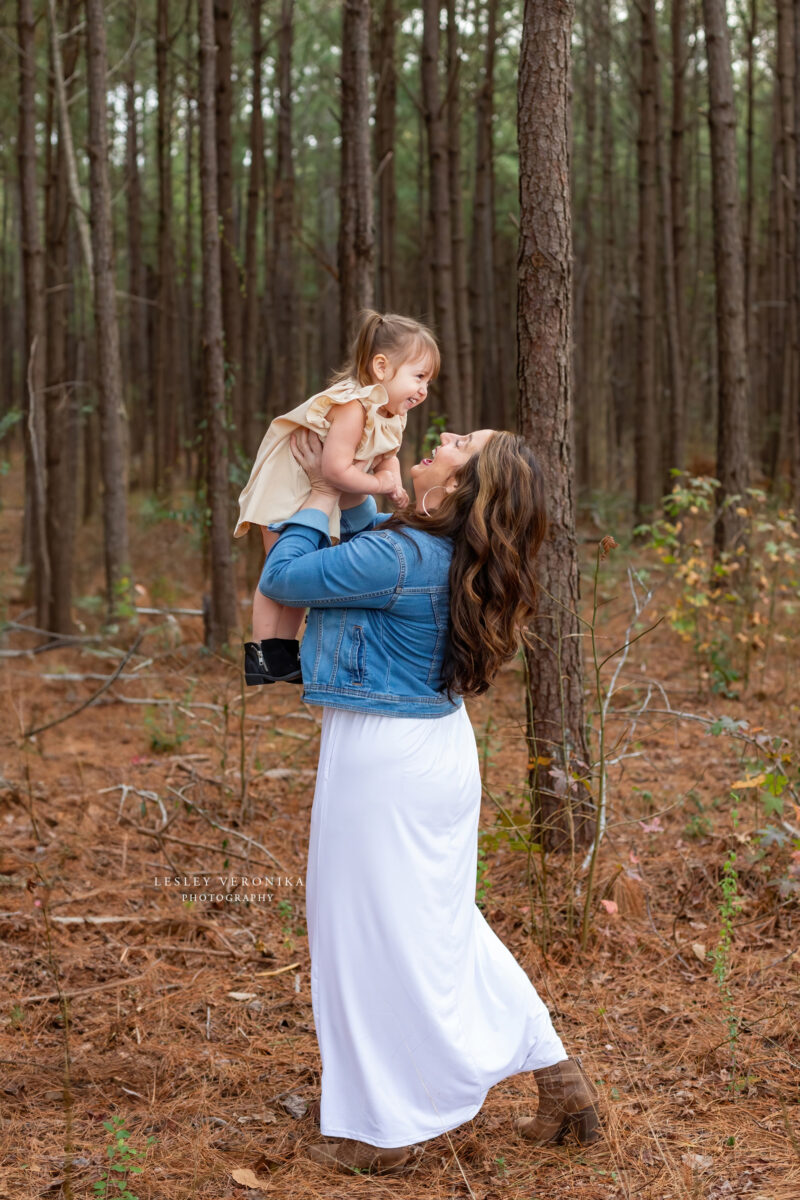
(438, 1132)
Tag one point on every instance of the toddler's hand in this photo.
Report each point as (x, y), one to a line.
(387, 473)
(399, 497)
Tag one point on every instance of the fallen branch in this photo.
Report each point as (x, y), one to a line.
(98, 987)
(87, 703)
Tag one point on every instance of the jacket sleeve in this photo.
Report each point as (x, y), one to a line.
(303, 570)
(363, 516)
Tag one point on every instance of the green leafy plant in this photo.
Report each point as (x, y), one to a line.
(166, 728)
(124, 1160)
(726, 605)
(437, 426)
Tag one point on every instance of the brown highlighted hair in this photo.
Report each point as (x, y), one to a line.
(399, 338)
(497, 519)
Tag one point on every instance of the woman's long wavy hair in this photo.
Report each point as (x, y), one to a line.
(497, 519)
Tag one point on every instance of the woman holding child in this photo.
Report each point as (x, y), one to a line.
(419, 1007)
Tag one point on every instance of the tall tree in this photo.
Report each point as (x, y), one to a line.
(61, 404)
(460, 282)
(137, 371)
(732, 397)
(165, 366)
(231, 274)
(588, 412)
(648, 477)
(790, 369)
(286, 374)
(113, 421)
(556, 723)
(385, 73)
(35, 365)
(489, 398)
(221, 616)
(250, 339)
(356, 222)
(441, 248)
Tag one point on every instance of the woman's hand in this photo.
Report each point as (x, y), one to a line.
(306, 446)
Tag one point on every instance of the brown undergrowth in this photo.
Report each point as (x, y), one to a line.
(191, 1020)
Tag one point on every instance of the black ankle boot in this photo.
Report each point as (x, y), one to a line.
(273, 660)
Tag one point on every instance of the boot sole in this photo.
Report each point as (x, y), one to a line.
(293, 677)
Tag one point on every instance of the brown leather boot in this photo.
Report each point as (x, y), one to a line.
(567, 1100)
(349, 1155)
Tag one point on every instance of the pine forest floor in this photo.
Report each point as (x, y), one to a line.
(190, 1022)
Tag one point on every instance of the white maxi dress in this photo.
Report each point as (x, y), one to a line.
(419, 1007)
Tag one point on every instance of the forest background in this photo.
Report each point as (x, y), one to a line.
(596, 207)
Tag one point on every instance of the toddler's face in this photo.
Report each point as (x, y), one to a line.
(408, 385)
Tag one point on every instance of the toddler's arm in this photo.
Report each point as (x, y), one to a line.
(347, 426)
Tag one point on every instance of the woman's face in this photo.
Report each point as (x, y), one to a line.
(440, 469)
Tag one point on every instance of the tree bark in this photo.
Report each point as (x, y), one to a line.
(250, 338)
(286, 376)
(680, 57)
(356, 251)
(61, 404)
(460, 285)
(648, 475)
(385, 134)
(222, 609)
(559, 754)
(732, 398)
(165, 424)
(113, 433)
(137, 371)
(789, 381)
(488, 397)
(587, 410)
(231, 275)
(33, 276)
(674, 458)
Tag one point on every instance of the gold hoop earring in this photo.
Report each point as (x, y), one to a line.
(425, 497)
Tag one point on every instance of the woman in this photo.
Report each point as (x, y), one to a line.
(419, 1008)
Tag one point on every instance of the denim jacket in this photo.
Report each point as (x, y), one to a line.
(378, 611)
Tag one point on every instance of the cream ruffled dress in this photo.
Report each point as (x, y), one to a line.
(278, 485)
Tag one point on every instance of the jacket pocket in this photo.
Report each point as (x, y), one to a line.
(358, 656)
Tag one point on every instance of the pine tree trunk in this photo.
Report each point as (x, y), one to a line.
(749, 232)
(286, 374)
(587, 410)
(61, 403)
(35, 364)
(796, 333)
(676, 173)
(790, 375)
(441, 249)
(608, 255)
(675, 455)
(166, 327)
(113, 421)
(356, 252)
(231, 275)
(488, 400)
(648, 475)
(250, 339)
(137, 371)
(732, 399)
(460, 286)
(556, 726)
(385, 133)
(222, 613)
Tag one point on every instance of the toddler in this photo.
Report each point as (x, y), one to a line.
(360, 418)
